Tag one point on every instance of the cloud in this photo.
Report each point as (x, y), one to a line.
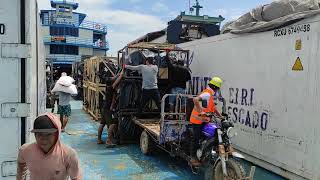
(236, 13)
(43, 4)
(123, 26)
(94, 3)
(137, 8)
(229, 14)
(135, 1)
(120, 17)
(221, 12)
(159, 7)
(118, 40)
(124, 30)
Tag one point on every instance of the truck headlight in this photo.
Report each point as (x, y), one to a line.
(231, 132)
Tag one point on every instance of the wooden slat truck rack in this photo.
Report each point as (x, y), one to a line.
(93, 84)
(129, 102)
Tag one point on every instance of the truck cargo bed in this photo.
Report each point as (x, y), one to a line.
(151, 125)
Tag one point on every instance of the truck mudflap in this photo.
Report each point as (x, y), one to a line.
(251, 174)
(249, 177)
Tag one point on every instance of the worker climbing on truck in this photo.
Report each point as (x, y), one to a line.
(150, 89)
(108, 109)
(198, 121)
(179, 75)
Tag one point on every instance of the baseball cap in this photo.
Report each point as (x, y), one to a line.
(43, 124)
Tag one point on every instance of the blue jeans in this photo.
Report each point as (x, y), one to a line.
(177, 90)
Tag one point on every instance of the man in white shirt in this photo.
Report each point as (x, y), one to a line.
(149, 82)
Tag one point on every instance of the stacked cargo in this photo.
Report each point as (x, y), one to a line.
(95, 71)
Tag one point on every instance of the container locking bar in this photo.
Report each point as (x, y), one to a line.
(15, 110)
(15, 50)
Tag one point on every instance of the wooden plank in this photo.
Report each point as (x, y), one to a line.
(151, 125)
(144, 45)
(92, 94)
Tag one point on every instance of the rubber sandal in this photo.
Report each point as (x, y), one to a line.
(100, 141)
(110, 145)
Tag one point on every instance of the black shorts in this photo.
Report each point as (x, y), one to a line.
(107, 118)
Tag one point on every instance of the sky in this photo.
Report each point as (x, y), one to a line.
(128, 20)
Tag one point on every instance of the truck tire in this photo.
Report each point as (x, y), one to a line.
(234, 169)
(146, 143)
(128, 129)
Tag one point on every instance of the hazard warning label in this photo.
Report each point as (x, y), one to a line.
(298, 44)
(297, 65)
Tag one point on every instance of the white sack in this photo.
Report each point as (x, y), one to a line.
(64, 84)
(65, 81)
(72, 89)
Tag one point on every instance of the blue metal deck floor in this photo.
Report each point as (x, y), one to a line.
(125, 162)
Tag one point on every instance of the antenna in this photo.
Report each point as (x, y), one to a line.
(197, 7)
(191, 9)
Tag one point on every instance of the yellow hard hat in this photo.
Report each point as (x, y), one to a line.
(216, 81)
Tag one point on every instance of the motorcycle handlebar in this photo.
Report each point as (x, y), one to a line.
(210, 114)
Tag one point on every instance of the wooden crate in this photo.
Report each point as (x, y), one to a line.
(92, 68)
(93, 98)
(93, 89)
(163, 73)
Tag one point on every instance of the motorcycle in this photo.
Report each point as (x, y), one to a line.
(217, 152)
(218, 158)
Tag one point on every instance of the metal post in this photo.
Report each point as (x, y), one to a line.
(197, 7)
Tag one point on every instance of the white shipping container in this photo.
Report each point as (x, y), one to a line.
(22, 78)
(272, 88)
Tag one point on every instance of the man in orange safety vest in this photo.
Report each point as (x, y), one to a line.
(198, 121)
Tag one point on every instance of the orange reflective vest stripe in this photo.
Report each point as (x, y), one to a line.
(195, 118)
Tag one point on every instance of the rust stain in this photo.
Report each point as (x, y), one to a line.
(137, 177)
(120, 167)
(95, 162)
(76, 132)
(145, 176)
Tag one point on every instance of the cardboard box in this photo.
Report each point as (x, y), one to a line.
(163, 73)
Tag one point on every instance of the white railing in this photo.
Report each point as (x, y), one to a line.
(76, 41)
(63, 57)
(84, 24)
